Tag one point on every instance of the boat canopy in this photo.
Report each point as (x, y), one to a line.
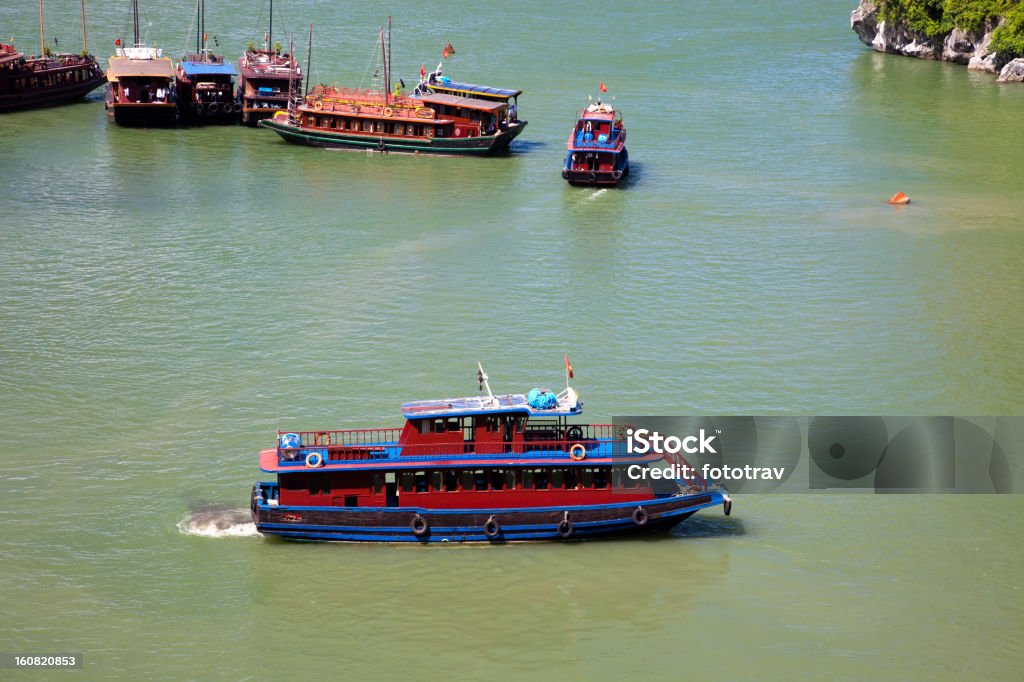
(476, 89)
(568, 404)
(123, 67)
(464, 102)
(208, 69)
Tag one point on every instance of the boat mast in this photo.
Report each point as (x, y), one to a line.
(42, 41)
(384, 59)
(85, 44)
(481, 377)
(387, 63)
(199, 4)
(309, 61)
(135, 18)
(270, 31)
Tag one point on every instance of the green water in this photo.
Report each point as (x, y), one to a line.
(168, 296)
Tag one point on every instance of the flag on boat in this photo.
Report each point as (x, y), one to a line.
(448, 49)
(118, 42)
(423, 72)
(568, 368)
(602, 86)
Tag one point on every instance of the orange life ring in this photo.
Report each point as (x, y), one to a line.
(318, 105)
(389, 112)
(577, 452)
(322, 438)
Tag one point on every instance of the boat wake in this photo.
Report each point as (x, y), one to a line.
(598, 193)
(219, 523)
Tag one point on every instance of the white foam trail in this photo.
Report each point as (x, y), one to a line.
(598, 193)
(224, 523)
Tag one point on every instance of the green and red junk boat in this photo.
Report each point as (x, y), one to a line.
(487, 469)
(597, 148)
(386, 121)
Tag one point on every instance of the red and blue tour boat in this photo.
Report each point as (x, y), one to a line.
(487, 469)
(597, 148)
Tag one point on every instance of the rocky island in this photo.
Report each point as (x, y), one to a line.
(986, 35)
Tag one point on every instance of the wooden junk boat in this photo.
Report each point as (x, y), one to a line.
(494, 469)
(267, 79)
(140, 83)
(379, 119)
(204, 82)
(47, 80)
(436, 83)
(597, 148)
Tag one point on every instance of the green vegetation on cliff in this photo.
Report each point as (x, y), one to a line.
(937, 17)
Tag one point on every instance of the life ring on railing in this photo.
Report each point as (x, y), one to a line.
(419, 526)
(574, 433)
(578, 452)
(565, 526)
(592, 176)
(640, 516)
(388, 112)
(314, 460)
(492, 528)
(322, 438)
(318, 105)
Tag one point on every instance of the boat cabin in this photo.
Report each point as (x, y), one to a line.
(206, 82)
(141, 81)
(443, 85)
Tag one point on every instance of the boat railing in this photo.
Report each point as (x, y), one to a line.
(344, 437)
(590, 140)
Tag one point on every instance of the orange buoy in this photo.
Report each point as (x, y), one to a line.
(899, 199)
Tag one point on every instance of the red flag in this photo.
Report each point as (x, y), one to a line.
(118, 42)
(603, 88)
(423, 72)
(568, 368)
(448, 49)
(444, 53)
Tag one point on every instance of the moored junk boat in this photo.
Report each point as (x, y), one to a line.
(49, 79)
(140, 83)
(494, 468)
(379, 119)
(267, 79)
(597, 148)
(204, 82)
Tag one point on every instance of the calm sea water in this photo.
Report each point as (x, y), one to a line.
(169, 297)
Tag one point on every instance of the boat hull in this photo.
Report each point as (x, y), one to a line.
(395, 524)
(610, 178)
(453, 146)
(251, 116)
(50, 97)
(227, 113)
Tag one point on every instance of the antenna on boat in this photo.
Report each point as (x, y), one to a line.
(481, 377)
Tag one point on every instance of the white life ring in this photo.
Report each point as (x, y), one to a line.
(314, 460)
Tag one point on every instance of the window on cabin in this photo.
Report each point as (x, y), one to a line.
(601, 477)
(378, 483)
(510, 479)
(479, 480)
(435, 480)
(455, 424)
(467, 480)
(417, 130)
(497, 479)
(557, 478)
(367, 126)
(451, 481)
(588, 478)
(540, 479)
(571, 479)
(527, 479)
(407, 481)
(422, 484)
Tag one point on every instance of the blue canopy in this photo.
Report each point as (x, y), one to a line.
(208, 69)
(477, 89)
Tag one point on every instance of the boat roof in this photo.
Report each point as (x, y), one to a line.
(599, 112)
(464, 102)
(8, 53)
(121, 67)
(568, 404)
(476, 89)
(208, 69)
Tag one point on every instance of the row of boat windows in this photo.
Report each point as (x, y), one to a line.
(61, 78)
(379, 127)
(495, 480)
